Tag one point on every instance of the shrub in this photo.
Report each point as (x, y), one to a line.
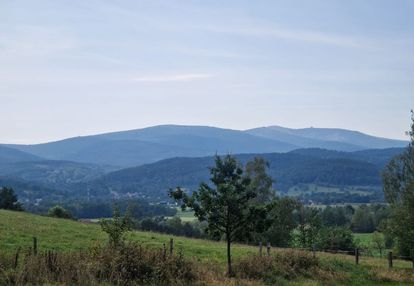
(336, 238)
(59, 212)
(288, 265)
(8, 200)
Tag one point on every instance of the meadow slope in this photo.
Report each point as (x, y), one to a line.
(18, 228)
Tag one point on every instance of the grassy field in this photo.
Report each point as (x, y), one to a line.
(17, 230)
(185, 216)
(364, 239)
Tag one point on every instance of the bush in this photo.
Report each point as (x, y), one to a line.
(59, 212)
(288, 265)
(8, 200)
(336, 238)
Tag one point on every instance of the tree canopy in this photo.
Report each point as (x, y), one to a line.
(226, 204)
(59, 212)
(8, 200)
(398, 180)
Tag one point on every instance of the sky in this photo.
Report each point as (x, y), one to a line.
(72, 68)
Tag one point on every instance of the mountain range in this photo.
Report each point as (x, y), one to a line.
(148, 145)
(146, 162)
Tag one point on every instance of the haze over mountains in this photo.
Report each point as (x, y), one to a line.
(148, 145)
(146, 162)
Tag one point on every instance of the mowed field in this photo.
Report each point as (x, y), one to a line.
(364, 239)
(17, 229)
(185, 216)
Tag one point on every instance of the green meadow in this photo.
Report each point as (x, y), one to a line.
(17, 229)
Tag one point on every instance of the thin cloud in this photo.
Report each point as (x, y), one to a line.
(293, 35)
(172, 78)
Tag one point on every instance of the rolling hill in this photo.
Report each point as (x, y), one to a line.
(61, 175)
(30, 192)
(326, 138)
(11, 155)
(305, 166)
(301, 169)
(148, 145)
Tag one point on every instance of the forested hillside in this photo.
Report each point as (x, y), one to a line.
(296, 168)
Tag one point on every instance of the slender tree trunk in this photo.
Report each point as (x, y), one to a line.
(229, 269)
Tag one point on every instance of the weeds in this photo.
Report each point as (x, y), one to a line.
(286, 266)
(128, 265)
(133, 264)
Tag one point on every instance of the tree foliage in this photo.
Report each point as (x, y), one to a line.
(59, 212)
(335, 238)
(8, 200)
(363, 220)
(282, 221)
(227, 205)
(261, 183)
(309, 226)
(378, 242)
(398, 181)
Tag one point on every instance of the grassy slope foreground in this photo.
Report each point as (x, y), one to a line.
(17, 230)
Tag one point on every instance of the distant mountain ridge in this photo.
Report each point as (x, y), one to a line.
(11, 155)
(327, 138)
(148, 145)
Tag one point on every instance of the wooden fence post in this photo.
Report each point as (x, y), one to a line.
(268, 249)
(314, 251)
(164, 251)
(390, 259)
(412, 257)
(16, 258)
(180, 253)
(171, 246)
(356, 256)
(260, 249)
(34, 245)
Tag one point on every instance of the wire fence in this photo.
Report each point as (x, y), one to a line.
(357, 253)
(266, 249)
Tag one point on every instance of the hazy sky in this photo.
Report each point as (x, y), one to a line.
(70, 68)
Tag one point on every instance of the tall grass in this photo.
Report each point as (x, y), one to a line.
(130, 264)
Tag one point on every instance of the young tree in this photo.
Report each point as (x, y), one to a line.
(261, 182)
(8, 200)
(362, 220)
(398, 182)
(378, 241)
(227, 207)
(116, 227)
(309, 226)
(282, 221)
